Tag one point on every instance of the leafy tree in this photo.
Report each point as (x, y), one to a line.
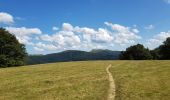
(164, 50)
(155, 54)
(136, 52)
(12, 53)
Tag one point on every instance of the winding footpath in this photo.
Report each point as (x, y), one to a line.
(111, 92)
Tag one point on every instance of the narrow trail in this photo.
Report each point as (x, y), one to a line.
(111, 92)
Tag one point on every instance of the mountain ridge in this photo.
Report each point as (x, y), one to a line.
(74, 55)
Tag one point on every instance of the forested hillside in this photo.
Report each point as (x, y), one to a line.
(74, 55)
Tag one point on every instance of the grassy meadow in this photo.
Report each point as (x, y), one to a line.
(86, 80)
(142, 80)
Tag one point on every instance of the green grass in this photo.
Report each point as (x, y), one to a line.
(142, 80)
(135, 80)
(60, 81)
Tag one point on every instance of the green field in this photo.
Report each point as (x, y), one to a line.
(87, 80)
(142, 80)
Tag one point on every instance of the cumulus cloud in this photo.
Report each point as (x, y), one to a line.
(42, 46)
(117, 27)
(54, 28)
(102, 36)
(23, 31)
(157, 40)
(149, 27)
(75, 37)
(122, 34)
(6, 18)
(23, 34)
(92, 35)
(62, 38)
(67, 27)
(84, 30)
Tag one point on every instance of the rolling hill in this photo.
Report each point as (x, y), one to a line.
(74, 55)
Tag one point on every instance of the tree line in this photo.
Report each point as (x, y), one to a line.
(139, 52)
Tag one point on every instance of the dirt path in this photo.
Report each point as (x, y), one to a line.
(111, 93)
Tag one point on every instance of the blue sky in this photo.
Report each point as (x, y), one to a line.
(47, 26)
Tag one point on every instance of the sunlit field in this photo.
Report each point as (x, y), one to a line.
(142, 80)
(58, 81)
(87, 80)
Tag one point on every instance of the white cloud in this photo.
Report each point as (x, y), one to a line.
(25, 40)
(6, 18)
(23, 31)
(46, 37)
(71, 37)
(75, 37)
(43, 46)
(67, 27)
(54, 28)
(62, 38)
(85, 30)
(122, 34)
(23, 34)
(135, 30)
(102, 36)
(38, 49)
(149, 27)
(157, 39)
(117, 27)
(89, 34)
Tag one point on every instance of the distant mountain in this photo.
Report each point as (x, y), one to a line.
(74, 55)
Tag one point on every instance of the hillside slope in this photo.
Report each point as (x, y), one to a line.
(74, 55)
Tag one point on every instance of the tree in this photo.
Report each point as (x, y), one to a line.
(136, 52)
(164, 50)
(12, 53)
(155, 54)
